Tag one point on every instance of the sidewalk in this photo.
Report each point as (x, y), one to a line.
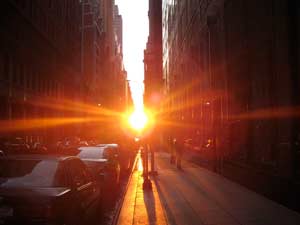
(196, 196)
(139, 206)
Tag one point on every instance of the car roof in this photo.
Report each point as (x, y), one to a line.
(91, 148)
(38, 157)
(108, 145)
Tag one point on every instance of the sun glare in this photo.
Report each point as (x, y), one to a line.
(138, 120)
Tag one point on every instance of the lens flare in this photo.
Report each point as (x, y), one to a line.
(138, 120)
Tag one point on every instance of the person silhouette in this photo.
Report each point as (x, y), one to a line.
(178, 147)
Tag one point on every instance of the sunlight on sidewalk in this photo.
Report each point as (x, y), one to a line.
(141, 206)
(140, 165)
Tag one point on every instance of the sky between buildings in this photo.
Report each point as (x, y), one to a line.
(135, 34)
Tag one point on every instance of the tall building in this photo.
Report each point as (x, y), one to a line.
(153, 56)
(55, 54)
(231, 72)
(113, 56)
(120, 75)
(102, 51)
(39, 61)
(93, 51)
(108, 21)
(118, 27)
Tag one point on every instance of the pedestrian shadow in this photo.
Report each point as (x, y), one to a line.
(149, 201)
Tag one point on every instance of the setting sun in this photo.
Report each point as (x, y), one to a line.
(138, 120)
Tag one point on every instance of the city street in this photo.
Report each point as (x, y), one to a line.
(196, 196)
(90, 88)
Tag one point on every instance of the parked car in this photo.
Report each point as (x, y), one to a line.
(16, 145)
(39, 189)
(83, 143)
(191, 145)
(103, 163)
(38, 147)
(125, 155)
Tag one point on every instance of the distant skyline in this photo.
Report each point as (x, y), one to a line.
(135, 34)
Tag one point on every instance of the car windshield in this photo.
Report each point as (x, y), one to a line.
(91, 153)
(27, 173)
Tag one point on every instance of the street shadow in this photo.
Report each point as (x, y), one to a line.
(149, 201)
(163, 199)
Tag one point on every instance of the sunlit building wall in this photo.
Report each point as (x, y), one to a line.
(119, 74)
(118, 27)
(108, 17)
(39, 58)
(104, 77)
(114, 78)
(180, 62)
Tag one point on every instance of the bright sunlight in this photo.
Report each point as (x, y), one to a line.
(134, 40)
(138, 120)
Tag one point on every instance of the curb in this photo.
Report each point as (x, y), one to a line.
(120, 203)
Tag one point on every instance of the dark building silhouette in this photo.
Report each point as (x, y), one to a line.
(153, 77)
(39, 58)
(92, 50)
(112, 85)
(119, 75)
(153, 56)
(232, 69)
(54, 56)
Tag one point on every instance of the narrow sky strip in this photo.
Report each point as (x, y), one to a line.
(135, 34)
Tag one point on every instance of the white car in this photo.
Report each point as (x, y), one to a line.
(102, 162)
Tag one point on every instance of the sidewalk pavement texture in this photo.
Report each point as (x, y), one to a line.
(196, 196)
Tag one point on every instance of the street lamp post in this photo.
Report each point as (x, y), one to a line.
(147, 183)
(138, 121)
(211, 21)
(150, 146)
